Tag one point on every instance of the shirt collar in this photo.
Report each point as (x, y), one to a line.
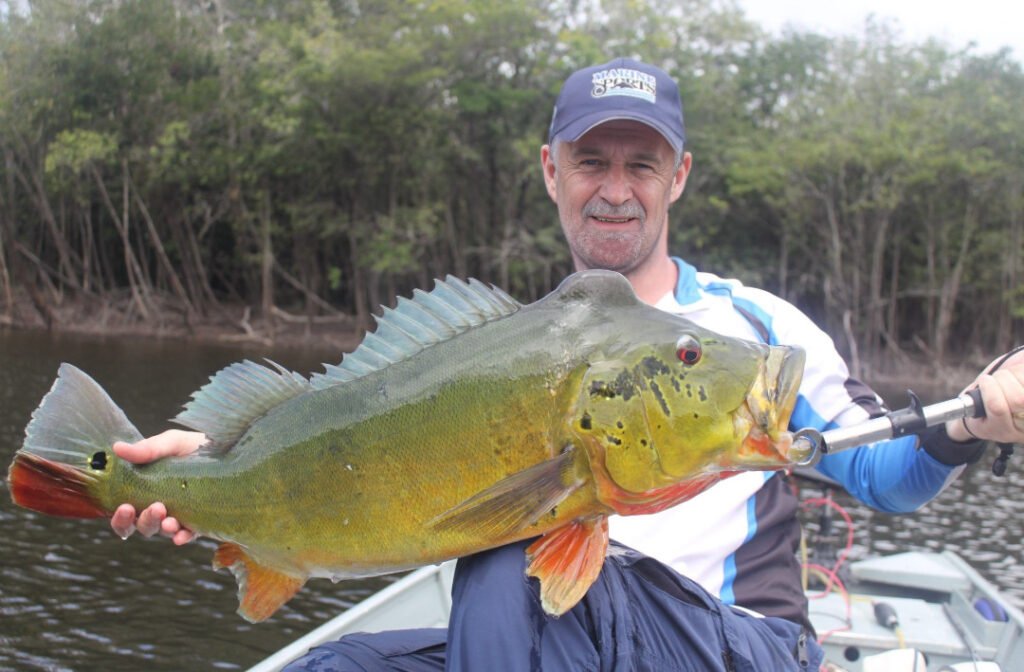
(686, 286)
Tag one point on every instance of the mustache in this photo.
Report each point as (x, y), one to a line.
(601, 208)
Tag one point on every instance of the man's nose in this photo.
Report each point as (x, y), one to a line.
(616, 188)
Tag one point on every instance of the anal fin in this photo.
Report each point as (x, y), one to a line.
(261, 589)
(567, 562)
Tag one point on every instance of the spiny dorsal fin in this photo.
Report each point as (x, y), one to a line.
(236, 397)
(451, 308)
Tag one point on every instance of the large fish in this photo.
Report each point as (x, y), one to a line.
(466, 421)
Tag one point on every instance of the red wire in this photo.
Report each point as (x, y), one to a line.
(832, 574)
(828, 501)
(833, 579)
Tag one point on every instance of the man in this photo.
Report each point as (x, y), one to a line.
(614, 163)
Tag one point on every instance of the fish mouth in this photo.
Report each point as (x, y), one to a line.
(763, 418)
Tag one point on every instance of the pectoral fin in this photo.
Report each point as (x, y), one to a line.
(514, 502)
(567, 561)
(261, 589)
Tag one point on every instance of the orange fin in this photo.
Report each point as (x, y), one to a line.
(261, 590)
(567, 561)
(53, 488)
(515, 501)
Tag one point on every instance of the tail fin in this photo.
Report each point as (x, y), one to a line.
(67, 454)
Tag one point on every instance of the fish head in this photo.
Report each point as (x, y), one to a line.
(668, 401)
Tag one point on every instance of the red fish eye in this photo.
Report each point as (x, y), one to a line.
(688, 350)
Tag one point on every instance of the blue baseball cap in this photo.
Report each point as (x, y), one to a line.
(620, 89)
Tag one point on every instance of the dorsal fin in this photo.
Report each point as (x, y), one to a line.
(451, 308)
(236, 397)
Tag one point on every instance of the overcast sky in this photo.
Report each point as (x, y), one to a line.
(990, 23)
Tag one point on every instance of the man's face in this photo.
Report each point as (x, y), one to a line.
(613, 188)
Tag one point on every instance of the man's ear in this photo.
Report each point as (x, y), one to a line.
(547, 164)
(679, 178)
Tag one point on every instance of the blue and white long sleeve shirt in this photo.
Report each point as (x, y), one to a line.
(739, 538)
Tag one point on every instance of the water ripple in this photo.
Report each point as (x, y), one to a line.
(72, 596)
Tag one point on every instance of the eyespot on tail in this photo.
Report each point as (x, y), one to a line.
(63, 465)
(53, 488)
(75, 420)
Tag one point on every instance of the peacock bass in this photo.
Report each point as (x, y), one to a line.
(464, 422)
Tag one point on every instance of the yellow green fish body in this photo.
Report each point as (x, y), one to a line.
(465, 422)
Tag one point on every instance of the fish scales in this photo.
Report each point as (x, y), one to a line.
(478, 420)
(539, 420)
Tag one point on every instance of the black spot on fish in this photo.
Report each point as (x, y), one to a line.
(643, 442)
(638, 380)
(625, 385)
(599, 388)
(696, 416)
(619, 424)
(613, 439)
(675, 383)
(661, 399)
(585, 421)
(703, 394)
(654, 366)
(689, 390)
(98, 461)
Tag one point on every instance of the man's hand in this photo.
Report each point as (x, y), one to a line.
(1002, 392)
(172, 443)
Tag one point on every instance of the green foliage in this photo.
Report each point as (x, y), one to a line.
(75, 149)
(367, 147)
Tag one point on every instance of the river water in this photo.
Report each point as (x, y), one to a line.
(75, 597)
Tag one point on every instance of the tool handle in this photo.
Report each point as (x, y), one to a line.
(979, 406)
(809, 444)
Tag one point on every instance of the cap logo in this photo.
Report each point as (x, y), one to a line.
(624, 82)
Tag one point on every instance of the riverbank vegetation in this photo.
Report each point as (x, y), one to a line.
(283, 165)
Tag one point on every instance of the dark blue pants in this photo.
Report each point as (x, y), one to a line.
(638, 615)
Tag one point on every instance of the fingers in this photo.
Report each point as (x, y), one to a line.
(173, 529)
(154, 518)
(151, 519)
(148, 523)
(182, 536)
(172, 443)
(1008, 384)
(123, 521)
(1014, 361)
(1002, 393)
